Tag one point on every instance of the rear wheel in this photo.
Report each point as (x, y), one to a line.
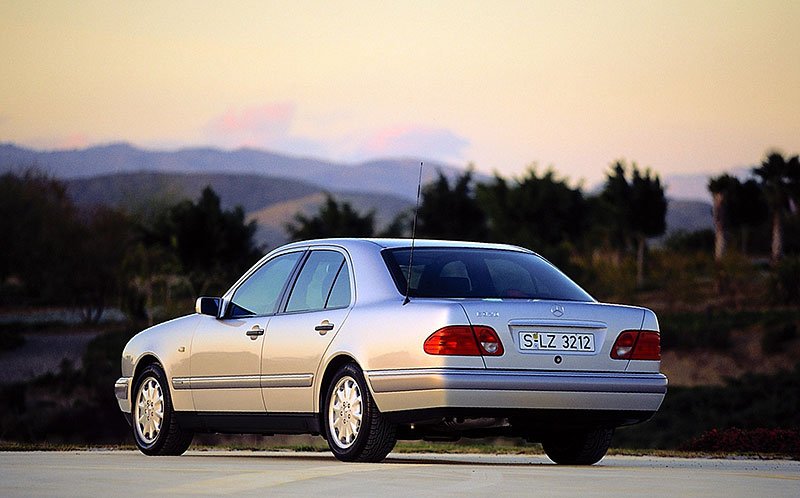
(583, 447)
(155, 429)
(354, 427)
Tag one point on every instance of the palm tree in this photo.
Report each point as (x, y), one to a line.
(780, 179)
(721, 188)
(640, 208)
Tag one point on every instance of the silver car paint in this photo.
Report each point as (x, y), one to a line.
(383, 336)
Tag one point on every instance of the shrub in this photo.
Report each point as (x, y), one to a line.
(760, 440)
(750, 402)
(785, 281)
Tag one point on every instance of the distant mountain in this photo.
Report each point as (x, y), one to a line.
(688, 216)
(271, 187)
(694, 186)
(391, 176)
(136, 191)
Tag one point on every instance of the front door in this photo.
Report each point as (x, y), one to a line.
(225, 363)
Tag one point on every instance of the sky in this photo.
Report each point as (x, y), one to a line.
(678, 86)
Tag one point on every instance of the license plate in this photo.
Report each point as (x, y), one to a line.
(556, 341)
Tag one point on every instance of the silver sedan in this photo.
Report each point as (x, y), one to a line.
(367, 341)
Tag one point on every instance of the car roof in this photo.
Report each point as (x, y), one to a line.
(389, 243)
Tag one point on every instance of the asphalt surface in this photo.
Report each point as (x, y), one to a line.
(118, 473)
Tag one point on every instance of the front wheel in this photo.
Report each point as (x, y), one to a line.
(583, 447)
(354, 427)
(155, 429)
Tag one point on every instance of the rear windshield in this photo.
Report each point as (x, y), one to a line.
(480, 273)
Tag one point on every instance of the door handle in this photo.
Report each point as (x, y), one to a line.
(255, 332)
(324, 327)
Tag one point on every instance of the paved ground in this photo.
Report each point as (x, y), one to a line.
(117, 473)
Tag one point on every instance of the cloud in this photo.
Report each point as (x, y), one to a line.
(74, 141)
(264, 126)
(270, 126)
(416, 141)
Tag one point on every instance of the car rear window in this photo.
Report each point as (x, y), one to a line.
(480, 273)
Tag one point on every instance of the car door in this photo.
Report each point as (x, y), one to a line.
(297, 337)
(225, 363)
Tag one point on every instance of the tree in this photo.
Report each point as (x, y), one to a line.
(639, 207)
(737, 205)
(722, 189)
(211, 245)
(98, 255)
(333, 219)
(40, 229)
(539, 212)
(748, 210)
(58, 254)
(780, 180)
(454, 213)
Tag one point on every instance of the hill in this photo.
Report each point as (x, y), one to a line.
(688, 215)
(137, 191)
(270, 202)
(272, 219)
(388, 176)
(124, 175)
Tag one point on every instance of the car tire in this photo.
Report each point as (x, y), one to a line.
(579, 448)
(354, 427)
(155, 428)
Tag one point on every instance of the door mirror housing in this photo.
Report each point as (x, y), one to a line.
(208, 306)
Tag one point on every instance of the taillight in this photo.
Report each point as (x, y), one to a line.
(463, 340)
(648, 347)
(488, 341)
(637, 345)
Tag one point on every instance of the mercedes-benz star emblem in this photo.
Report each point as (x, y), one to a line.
(557, 310)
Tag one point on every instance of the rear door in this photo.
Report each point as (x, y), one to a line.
(317, 306)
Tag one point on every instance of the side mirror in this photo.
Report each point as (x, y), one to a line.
(207, 306)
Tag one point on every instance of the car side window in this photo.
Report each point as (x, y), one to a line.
(340, 292)
(259, 294)
(315, 282)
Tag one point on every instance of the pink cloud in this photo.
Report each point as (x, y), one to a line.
(417, 141)
(260, 126)
(74, 141)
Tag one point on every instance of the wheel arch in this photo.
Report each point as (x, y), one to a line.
(333, 366)
(144, 361)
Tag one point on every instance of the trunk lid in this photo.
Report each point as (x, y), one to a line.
(554, 335)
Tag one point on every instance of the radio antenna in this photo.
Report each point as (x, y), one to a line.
(413, 238)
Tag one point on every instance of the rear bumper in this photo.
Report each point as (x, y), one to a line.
(423, 389)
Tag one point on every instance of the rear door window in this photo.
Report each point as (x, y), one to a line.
(315, 283)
